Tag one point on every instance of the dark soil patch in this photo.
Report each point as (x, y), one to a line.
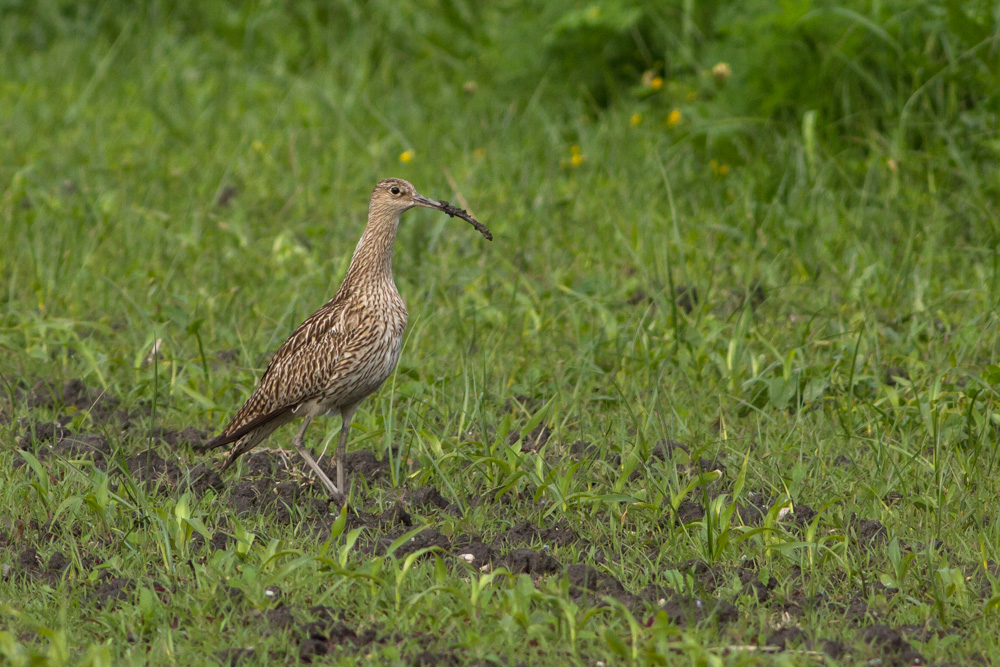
(709, 578)
(787, 637)
(185, 437)
(583, 449)
(637, 297)
(427, 496)
(31, 566)
(802, 515)
(686, 297)
(533, 441)
(855, 609)
(689, 511)
(67, 446)
(473, 551)
(683, 610)
(361, 462)
(584, 579)
(324, 633)
(148, 466)
(529, 561)
(753, 508)
(749, 575)
(201, 478)
(40, 433)
(890, 645)
(425, 539)
(558, 535)
(325, 640)
(867, 531)
(226, 195)
(843, 462)
(73, 394)
(792, 637)
(110, 588)
(279, 499)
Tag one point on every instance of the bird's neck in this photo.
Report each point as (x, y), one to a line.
(372, 260)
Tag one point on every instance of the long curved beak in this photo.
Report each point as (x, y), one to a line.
(421, 200)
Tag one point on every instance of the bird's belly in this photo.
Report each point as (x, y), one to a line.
(368, 372)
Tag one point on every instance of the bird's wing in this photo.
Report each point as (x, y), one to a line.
(305, 364)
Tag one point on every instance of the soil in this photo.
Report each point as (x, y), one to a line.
(110, 588)
(272, 483)
(533, 441)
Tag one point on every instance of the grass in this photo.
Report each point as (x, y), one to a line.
(816, 322)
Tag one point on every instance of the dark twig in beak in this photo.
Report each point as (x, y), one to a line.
(454, 212)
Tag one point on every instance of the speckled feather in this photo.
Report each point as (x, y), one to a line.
(341, 353)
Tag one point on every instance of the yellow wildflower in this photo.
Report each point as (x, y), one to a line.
(718, 168)
(479, 152)
(635, 120)
(656, 83)
(576, 156)
(406, 157)
(674, 118)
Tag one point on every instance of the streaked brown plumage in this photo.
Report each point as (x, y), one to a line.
(345, 350)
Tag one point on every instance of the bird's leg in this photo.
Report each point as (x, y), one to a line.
(299, 443)
(345, 415)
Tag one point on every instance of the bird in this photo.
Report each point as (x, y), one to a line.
(344, 351)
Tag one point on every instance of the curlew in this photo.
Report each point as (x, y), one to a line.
(345, 350)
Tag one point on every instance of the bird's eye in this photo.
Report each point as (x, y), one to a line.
(394, 190)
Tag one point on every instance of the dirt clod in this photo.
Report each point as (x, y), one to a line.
(585, 579)
(558, 535)
(786, 637)
(110, 588)
(148, 466)
(363, 462)
(691, 610)
(40, 434)
(428, 496)
(868, 531)
(890, 643)
(529, 561)
(689, 511)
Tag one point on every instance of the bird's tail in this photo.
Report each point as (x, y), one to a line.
(249, 435)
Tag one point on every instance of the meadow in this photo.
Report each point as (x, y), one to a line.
(723, 390)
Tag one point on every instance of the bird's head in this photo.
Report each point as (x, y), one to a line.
(394, 195)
